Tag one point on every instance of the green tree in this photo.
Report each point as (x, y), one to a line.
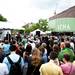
(34, 26)
(3, 19)
(43, 23)
(28, 30)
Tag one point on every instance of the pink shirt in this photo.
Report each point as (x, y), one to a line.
(68, 69)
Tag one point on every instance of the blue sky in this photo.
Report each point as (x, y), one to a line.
(20, 12)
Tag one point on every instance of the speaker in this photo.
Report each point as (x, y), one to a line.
(38, 33)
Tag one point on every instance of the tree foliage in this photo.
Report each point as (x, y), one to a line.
(3, 19)
(42, 24)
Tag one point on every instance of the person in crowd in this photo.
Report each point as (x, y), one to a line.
(51, 41)
(37, 45)
(31, 42)
(3, 69)
(35, 63)
(56, 48)
(14, 57)
(14, 42)
(8, 36)
(1, 54)
(48, 45)
(1, 42)
(26, 58)
(51, 68)
(6, 47)
(29, 48)
(24, 41)
(43, 50)
(44, 46)
(18, 37)
(21, 49)
(68, 68)
(62, 44)
(66, 39)
(66, 50)
(72, 44)
(37, 40)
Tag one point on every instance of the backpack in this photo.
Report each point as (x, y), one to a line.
(15, 68)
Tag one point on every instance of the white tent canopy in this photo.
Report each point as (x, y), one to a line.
(34, 32)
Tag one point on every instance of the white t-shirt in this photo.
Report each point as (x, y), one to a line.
(3, 69)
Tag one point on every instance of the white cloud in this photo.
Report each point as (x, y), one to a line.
(23, 11)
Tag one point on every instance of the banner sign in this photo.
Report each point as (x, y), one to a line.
(62, 25)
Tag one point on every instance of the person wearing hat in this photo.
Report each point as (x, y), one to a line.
(66, 50)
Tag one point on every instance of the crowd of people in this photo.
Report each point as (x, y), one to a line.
(38, 55)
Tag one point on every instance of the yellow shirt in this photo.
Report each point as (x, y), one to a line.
(50, 68)
(74, 62)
